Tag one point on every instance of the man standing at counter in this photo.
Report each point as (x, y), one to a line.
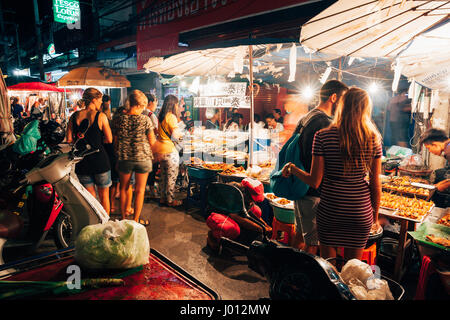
(438, 143)
(318, 118)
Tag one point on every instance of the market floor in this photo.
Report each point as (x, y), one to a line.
(181, 237)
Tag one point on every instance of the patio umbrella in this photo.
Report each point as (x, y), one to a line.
(35, 86)
(93, 76)
(372, 28)
(6, 123)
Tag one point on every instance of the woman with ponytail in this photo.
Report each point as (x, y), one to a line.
(343, 154)
(94, 170)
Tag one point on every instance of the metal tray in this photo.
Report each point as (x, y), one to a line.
(393, 214)
(161, 279)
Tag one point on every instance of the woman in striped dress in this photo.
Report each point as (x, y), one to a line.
(342, 155)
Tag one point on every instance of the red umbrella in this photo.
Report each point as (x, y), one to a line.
(34, 86)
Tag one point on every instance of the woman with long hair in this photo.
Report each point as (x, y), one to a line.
(94, 170)
(166, 151)
(133, 139)
(343, 154)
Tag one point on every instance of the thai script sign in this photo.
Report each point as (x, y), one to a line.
(222, 102)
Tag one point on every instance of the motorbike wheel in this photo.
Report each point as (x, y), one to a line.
(63, 231)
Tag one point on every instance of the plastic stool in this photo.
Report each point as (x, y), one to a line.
(369, 254)
(283, 232)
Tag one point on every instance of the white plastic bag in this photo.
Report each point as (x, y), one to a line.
(112, 245)
(357, 269)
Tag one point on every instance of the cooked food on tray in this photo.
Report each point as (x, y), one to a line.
(403, 185)
(216, 166)
(445, 220)
(230, 171)
(406, 207)
(271, 196)
(439, 240)
(284, 201)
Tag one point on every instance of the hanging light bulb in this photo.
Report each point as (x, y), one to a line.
(307, 93)
(374, 87)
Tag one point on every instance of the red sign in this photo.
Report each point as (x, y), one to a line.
(157, 32)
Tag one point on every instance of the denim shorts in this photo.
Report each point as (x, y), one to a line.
(101, 180)
(305, 211)
(128, 166)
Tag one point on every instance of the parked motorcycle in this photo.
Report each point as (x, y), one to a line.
(56, 201)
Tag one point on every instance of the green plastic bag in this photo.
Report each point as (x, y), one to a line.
(28, 140)
(113, 245)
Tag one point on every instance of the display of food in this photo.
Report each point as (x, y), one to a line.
(411, 208)
(232, 171)
(284, 201)
(403, 184)
(445, 220)
(438, 240)
(271, 196)
(219, 166)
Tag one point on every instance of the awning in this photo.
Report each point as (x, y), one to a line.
(93, 76)
(34, 86)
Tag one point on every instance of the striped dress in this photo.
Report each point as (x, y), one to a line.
(345, 213)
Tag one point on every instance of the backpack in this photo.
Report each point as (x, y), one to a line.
(290, 188)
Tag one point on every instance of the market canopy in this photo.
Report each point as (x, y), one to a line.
(397, 29)
(368, 28)
(83, 77)
(15, 79)
(35, 86)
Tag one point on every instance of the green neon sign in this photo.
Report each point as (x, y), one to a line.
(66, 11)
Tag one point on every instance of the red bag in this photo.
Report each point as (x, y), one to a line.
(223, 226)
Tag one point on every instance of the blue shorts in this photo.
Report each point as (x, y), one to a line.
(101, 180)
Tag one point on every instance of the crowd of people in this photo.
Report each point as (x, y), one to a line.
(340, 147)
(133, 144)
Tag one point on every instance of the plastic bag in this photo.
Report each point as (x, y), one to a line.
(358, 276)
(113, 245)
(357, 269)
(28, 140)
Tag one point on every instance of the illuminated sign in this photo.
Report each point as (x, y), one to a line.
(66, 11)
(51, 49)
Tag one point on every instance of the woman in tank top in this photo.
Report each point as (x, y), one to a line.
(94, 170)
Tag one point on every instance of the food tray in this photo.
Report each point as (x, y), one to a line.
(393, 214)
(274, 202)
(160, 279)
(410, 195)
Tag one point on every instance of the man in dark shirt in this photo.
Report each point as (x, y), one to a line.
(318, 118)
(438, 143)
(17, 109)
(277, 114)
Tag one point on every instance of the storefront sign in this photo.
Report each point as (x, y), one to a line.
(218, 89)
(66, 11)
(163, 20)
(222, 102)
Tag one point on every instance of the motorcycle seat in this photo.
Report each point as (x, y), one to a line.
(10, 225)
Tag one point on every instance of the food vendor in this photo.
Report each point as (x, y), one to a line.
(438, 143)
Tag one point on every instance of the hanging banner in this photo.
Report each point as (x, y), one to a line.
(218, 89)
(222, 102)
(66, 11)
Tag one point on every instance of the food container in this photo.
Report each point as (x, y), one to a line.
(201, 173)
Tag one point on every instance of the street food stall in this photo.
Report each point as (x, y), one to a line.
(29, 92)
